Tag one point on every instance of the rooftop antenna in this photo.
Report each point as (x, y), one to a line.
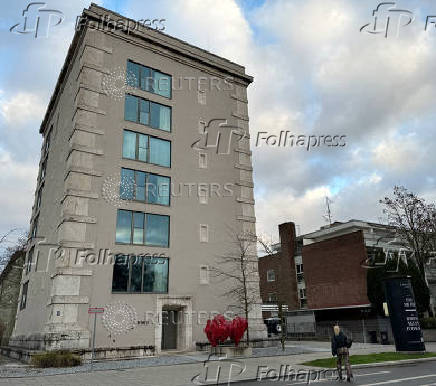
(328, 215)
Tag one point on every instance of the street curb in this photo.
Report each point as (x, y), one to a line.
(379, 364)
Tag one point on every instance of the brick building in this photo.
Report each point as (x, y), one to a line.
(323, 274)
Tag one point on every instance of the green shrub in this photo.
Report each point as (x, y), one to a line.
(56, 359)
(428, 322)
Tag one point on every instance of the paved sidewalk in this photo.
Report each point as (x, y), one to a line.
(176, 370)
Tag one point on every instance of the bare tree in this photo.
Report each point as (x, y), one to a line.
(238, 270)
(414, 221)
(8, 251)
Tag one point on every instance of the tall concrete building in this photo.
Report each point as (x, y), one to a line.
(145, 179)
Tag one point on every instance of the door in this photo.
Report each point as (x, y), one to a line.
(169, 329)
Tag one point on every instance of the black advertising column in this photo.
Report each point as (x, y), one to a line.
(403, 314)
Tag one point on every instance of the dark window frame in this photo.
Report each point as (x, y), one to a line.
(24, 292)
(146, 201)
(132, 223)
(130, 258)
(152, 71)
(148, 149)
(138, 113)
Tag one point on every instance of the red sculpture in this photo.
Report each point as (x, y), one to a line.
(239, 325)
(219, 329)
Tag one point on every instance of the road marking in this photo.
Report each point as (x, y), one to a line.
(329, 380)
(401, 380)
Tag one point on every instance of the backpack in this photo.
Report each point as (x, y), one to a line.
(348, 342)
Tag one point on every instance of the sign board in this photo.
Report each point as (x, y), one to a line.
(403, 314)
(95, 310)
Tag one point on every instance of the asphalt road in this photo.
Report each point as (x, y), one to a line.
(423, 374)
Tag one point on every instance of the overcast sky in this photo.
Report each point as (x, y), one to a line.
(315, 73)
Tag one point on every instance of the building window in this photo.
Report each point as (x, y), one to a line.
(147, 113)
(299, 268)
(29, 260)
(204, 233)
(43, 169)
(203, 193)
(47, 141)
(141, 147)
(142, 228)
(38, 197)
(204, 274)
(201, 96)
(270, 275)
(147, 187)
(149, 79)
(202, 160)
(23, 302)
(272, 297)
(302, 292)
(300, 275)
(140, 274)
(35, 227)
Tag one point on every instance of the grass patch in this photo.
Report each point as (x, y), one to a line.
(370, 358)
(56, 359)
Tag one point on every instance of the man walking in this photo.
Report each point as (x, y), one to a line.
(340, 345)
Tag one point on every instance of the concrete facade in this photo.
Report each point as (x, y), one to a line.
(74, 216)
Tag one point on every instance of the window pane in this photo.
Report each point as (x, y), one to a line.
(24, 296)
(131, 108)
(155, 275)
(120, 276)
(136, 275)
(165, 118)
(158, 190)
(126, 184)
(132, 76)
(146, 79)
(124, 226)
(160, 117)
(157, 230)
(140, 186)
(160, 152)
(129, 144)
(162, 84)
(144, 113)
(143, 146)
(138, 228)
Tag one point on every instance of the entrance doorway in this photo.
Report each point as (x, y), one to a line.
(169, 329)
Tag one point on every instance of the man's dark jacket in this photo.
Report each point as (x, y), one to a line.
(338, 341)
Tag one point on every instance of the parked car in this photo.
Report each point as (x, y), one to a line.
(273, 325)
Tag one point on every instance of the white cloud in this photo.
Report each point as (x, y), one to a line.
(22, 108)
(314, 72)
